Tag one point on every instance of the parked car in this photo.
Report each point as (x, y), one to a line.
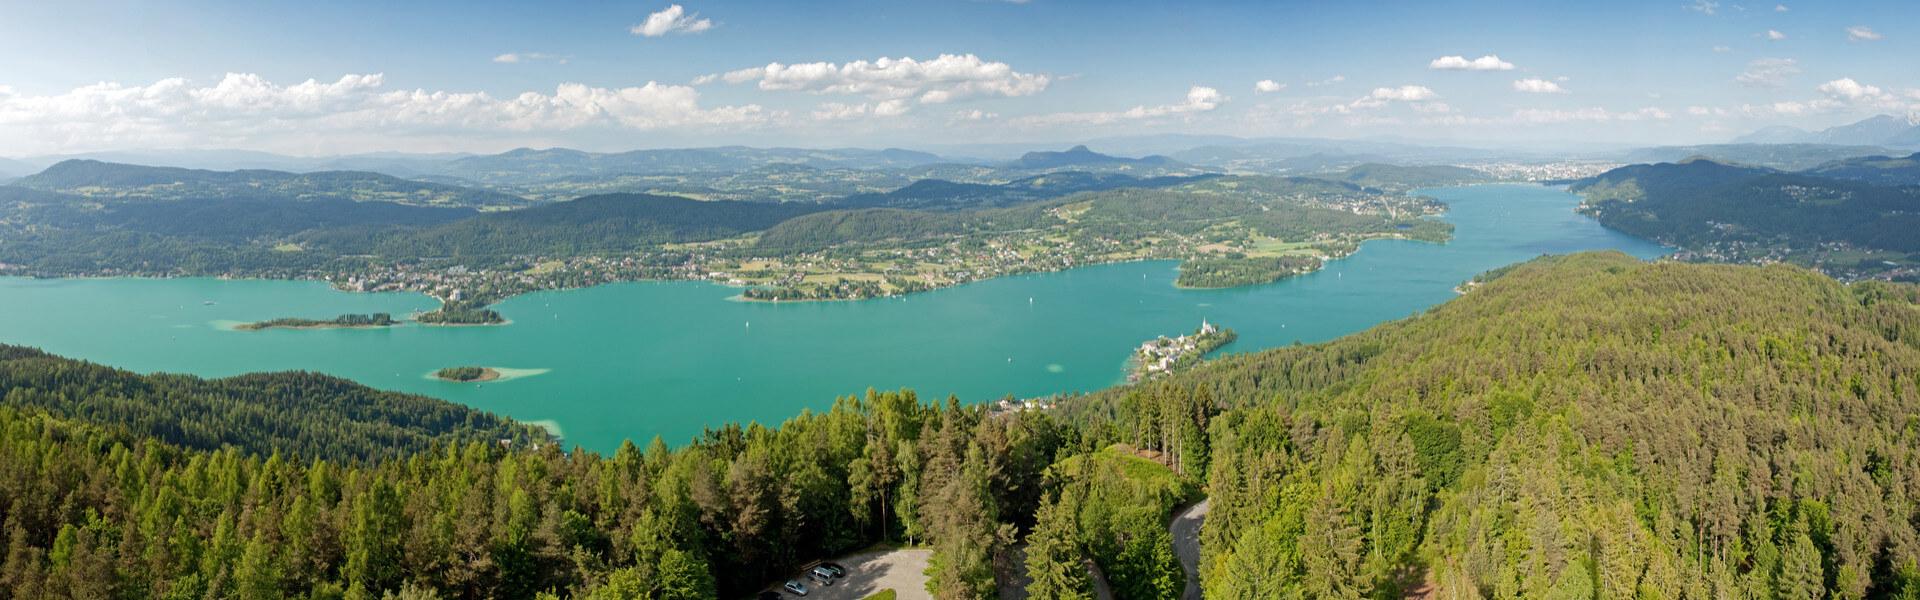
(838, 571)
(796, 587)
(823, 574)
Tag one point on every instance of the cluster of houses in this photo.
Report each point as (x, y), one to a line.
(1162, 355)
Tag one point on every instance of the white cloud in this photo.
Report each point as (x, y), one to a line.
(1535, 85)
(524, 57)
(1406, 93)
(1199, 99)
(1779, 8)
(246, 109)
(1768, 72)
(1431, 107)
(1460, 63)
(1722, 49)
(1774, 35)
(974, 115)
(946, 78)
(1268, 86)
(1705, 6)
(1383, 96)
(1862, 33)
(835, 111)
(1848, 89)
(672, 19)
(1328, 81)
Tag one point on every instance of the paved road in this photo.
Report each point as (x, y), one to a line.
(903, 571)
(1185, 528)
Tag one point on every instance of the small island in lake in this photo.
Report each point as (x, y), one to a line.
(467, 374)
(1238, 269)
(457, 312)
(1163, 355)
(342, 321)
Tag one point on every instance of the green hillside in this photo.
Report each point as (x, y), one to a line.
(1582, 426)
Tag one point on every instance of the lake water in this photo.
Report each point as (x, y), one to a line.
(635, 360)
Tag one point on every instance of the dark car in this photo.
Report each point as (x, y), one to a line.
(838, 571)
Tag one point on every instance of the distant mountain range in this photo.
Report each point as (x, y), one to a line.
(94, 178)
(528, 165)
(1783, 156)
(1882, 130)
(1080, 157)
(10, 169)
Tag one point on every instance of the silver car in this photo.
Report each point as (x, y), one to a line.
(799, 589)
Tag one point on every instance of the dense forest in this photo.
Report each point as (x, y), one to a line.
(372, 320)
(1578, 427)
(1231, 271)
(303, 414)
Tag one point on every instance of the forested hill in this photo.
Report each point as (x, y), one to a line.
(305, 415)
(1587, 426)
(1881, 170)
(601, 223)
(1403, 177)
(98, 179)
(1749, 214)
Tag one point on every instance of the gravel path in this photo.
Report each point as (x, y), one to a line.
(903, 571)
(1185, 528)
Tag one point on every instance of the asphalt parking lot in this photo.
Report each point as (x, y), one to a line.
(903, 571)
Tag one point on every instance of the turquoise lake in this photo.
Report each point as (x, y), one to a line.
(635, 360)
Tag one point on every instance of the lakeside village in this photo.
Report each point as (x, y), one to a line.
(1154, 358)
(1163, 355)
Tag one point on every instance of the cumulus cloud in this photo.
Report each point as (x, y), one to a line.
(1768, 72)
(1268, 86)
(526, 57)
(1382, 96)
(1535, 85)
(1774, 35)
(1707, 7)
(946, 78)
(1862, 33)
(1461, 63)
(672, 19)
(1848, 89)
(836, 111)
(247, 109)
(1199, 99)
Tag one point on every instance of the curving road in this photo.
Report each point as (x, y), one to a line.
(1185, 528)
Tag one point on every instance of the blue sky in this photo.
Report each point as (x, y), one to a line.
(436, 76)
